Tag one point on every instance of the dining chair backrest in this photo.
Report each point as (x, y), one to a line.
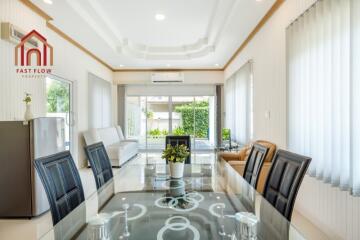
(180, 140)
(254, 164)
(284, 179)
(62, 183)
(100, 163)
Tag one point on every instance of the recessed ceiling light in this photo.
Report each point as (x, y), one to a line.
(216, 65)
(48, 1)
(159, 17)
(121, 65)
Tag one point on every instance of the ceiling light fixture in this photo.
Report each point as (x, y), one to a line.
(168, 65)
(48, 1)
(160, 17)
(121, 65)
(216, 65)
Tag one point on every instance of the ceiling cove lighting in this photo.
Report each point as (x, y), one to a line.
(48, 1)
(160, 17)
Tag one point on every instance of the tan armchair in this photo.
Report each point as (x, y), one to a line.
(237, 161)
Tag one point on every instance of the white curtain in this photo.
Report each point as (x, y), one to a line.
(99, 96)
(323, 91)
(238, 102)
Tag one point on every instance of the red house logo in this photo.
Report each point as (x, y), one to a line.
(41, 54)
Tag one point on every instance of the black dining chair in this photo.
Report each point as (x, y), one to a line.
(179, 140)
(62, 183)
(284, 179)
(254, 164)
(100, 163)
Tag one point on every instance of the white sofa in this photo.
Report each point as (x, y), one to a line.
(119, 149)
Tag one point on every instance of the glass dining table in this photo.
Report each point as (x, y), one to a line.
(211, 201)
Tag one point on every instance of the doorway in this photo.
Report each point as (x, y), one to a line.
(151, 118)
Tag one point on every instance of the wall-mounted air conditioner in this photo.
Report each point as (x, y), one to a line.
(13, 34)
(167, 77)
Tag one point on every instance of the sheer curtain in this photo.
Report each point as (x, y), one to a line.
(238, 102)
(323, 91)
(99, 103)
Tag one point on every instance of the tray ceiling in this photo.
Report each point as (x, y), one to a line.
(126, 34)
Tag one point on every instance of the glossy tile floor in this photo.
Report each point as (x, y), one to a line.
(31, 229)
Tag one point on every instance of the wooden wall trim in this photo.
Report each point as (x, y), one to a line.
(37, 10)
(258, 27)
(48, 18)
(78, 45)
(169, 70)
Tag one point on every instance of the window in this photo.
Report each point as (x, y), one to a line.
(324, 91)
(59, 104)
(238, 104)
(151, 116)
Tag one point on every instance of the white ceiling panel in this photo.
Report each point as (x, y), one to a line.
(194, 33)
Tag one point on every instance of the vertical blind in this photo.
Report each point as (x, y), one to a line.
(324, 91)
(99, 102)
(238, 104)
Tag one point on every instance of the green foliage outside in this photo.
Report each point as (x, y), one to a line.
(149, 114)
(198, 111)
(176, 153)
(57, 98)
(179, 131)
(155, 132)
(225, 134)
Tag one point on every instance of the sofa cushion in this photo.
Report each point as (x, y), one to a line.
(120, 148)
(120, 133)
(108, 136)
(91, 137)
(127, 146)
(245, 151)
(113, 150)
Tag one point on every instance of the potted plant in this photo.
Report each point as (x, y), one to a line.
(176, 156)
(28, 115)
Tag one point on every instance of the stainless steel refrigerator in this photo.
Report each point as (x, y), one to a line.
(21, 191)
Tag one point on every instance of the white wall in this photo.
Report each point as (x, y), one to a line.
(267, 50)
(335, 212)
(190, 77)
(69, 63)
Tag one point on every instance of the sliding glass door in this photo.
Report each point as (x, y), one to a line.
(204, 122)
(157, 115)
(151, 118)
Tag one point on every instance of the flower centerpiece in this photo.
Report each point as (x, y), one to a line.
(27, 100)
(176, 156)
